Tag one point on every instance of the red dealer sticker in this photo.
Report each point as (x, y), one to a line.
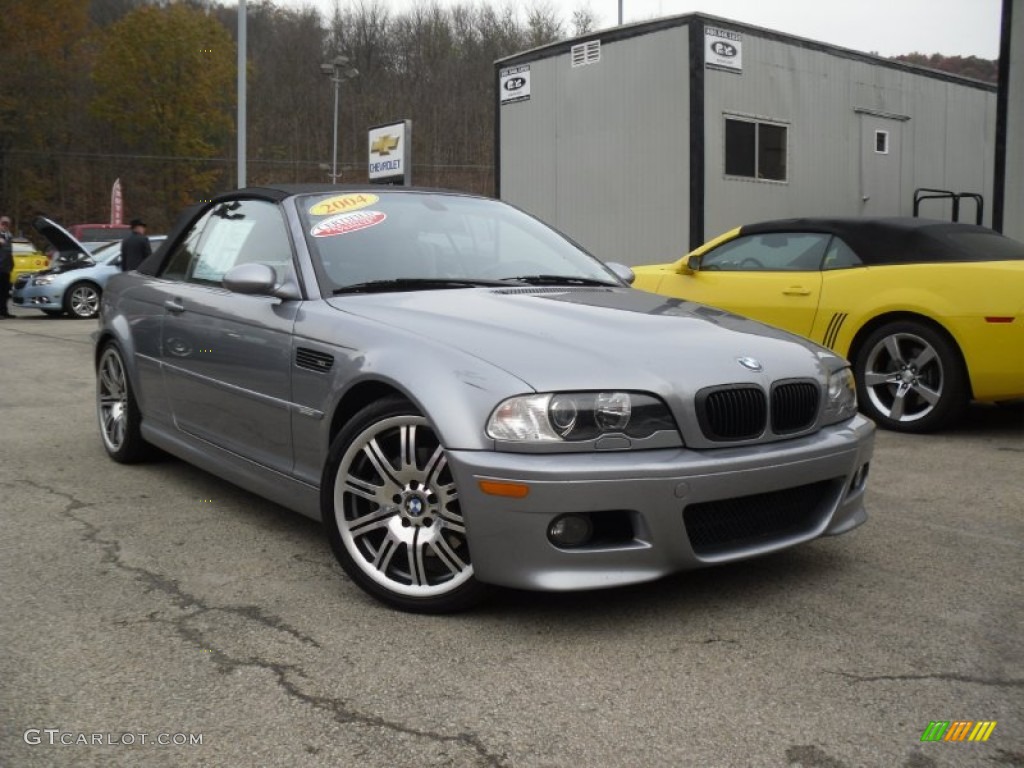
(344, 223)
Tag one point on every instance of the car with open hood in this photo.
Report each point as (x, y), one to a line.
(74, 281)
(464, 397)
(27, 258)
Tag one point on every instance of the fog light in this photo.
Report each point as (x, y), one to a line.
(570, 530)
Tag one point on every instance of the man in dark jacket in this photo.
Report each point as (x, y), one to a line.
(135, 248)
(6, 264)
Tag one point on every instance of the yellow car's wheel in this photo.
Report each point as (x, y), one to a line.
(910, 377)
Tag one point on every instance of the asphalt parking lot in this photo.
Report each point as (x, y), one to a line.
(157, 606)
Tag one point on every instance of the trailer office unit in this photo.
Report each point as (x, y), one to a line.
(643, 141)
(1008, 208)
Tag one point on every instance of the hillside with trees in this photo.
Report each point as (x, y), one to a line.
(107, 89)
(986, 70)
(95, 90)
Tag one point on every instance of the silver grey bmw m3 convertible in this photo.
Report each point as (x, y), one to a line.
(465, 397)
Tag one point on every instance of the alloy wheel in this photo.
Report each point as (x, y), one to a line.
(397, 509)
(112, 394)
(904, 377)
(84, 301)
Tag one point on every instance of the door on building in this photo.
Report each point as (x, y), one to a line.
(881, 177)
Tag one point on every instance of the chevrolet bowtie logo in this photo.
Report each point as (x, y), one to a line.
(385, 145)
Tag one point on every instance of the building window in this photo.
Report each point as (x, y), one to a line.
(755, 150)
(882, 142)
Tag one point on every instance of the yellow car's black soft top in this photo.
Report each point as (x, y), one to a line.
(906, 240)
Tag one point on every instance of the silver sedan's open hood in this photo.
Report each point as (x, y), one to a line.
(570, 338)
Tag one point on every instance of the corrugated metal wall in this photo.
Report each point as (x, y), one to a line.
(1013, 202)
(941, 136)
(601, 151)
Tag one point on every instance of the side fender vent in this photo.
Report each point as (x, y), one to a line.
(312, 360)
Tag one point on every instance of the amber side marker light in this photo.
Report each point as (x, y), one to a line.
(500, 488)
(998, 319)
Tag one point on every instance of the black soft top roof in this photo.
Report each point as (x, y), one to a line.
(904, 240)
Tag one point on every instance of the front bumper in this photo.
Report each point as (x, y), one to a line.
(508, 537)
(38, 297)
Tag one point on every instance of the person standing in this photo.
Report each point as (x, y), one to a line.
(6, 264)
(135, 248)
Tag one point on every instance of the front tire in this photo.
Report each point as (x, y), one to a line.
(117, 411)
(910, 377)
(391, 510)
(82, 300)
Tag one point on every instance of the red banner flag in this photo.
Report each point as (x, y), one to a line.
(116, 204)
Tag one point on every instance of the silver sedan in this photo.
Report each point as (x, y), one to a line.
(466, 398)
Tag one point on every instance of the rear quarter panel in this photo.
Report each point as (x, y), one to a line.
(957, 297)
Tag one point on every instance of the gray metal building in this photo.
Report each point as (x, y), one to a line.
(643, 141)
(1008, 211)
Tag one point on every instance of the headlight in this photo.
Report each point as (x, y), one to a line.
(578, 416)
(841, 397)
(45, 280)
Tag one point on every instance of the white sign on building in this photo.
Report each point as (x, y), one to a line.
(723, 49)
(514, 84)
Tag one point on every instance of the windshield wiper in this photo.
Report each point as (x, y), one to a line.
(413, 284)
(557, 280)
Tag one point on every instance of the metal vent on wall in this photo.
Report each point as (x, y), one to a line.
(586, 53)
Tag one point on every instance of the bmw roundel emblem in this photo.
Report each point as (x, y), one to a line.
(414, 506)
(750, 363)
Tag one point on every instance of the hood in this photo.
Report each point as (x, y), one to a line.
(559, 339)
(58, 237)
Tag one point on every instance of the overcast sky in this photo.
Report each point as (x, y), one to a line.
(888, 27)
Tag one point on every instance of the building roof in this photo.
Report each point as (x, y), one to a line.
(627, 31)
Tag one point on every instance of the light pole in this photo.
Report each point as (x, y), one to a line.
(335, 69)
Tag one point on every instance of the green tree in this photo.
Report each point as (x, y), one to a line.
(165, 83)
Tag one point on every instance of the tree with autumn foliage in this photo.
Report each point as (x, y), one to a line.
(41, 54)
(165, 83)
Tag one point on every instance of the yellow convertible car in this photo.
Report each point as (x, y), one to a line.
(931, 314)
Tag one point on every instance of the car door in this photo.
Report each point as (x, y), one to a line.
(774, 277)
(225, 356)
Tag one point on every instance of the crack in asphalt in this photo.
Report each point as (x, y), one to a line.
(20, 332)
(227, 663)
(811, 756)
(953, 678)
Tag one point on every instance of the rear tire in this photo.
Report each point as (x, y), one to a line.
(910, 377)
(391, 510)
(117, 411)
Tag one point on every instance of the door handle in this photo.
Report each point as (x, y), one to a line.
(796, 290)
(174, 305)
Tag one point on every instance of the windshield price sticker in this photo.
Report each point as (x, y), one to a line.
(346, 223)
(343, 204)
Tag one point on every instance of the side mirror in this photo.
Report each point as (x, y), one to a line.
(258, 280)
(624, 273)
(689, 265)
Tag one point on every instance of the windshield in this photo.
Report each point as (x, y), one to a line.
(365, 237)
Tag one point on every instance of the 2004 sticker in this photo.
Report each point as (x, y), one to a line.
(343, 203)
(345, 223)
